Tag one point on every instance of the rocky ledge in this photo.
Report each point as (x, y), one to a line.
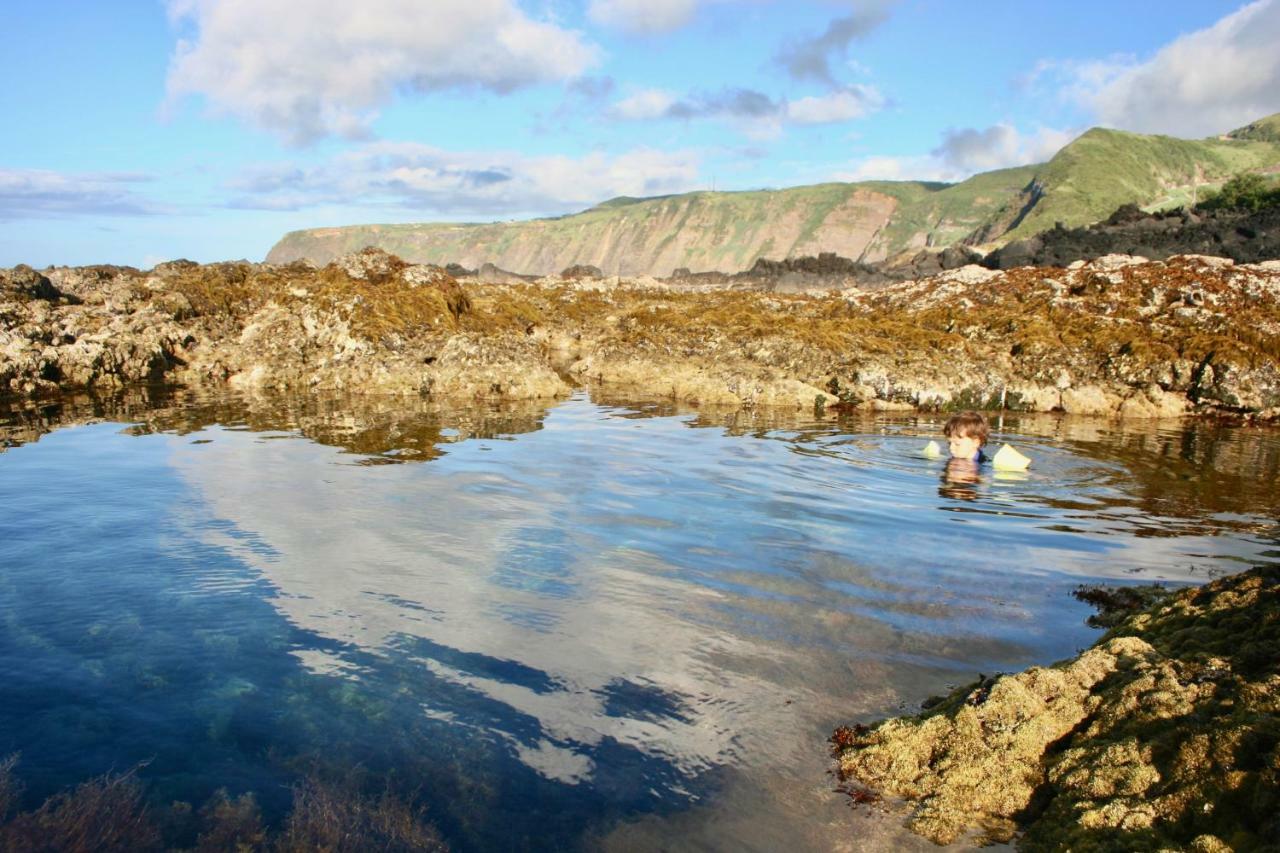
(1165, 735)
(1118, 335)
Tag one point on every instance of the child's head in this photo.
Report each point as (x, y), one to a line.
(966, 433)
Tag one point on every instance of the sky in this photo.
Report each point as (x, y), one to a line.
(139, 131)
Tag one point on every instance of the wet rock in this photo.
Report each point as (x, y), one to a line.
(1164, 735)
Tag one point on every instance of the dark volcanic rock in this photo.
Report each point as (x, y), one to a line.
(925, 263)
(1243, 237)
(493, 274)
(581, 271)
(825, 270)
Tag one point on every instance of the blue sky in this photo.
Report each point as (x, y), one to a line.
(141, 130)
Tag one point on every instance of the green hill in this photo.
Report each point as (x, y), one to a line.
(869, 221)
(1103, 169)
(1263, 130)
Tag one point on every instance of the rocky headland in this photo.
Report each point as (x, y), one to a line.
(869, 222)
(1165, 735)
(1117, 336)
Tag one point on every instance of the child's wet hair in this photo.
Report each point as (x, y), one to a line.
(971, 424)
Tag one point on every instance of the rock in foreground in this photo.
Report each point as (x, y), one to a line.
(1164, 735)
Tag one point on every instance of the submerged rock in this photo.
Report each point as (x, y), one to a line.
(1164, 735)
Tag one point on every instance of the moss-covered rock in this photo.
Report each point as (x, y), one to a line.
(1117, 336)
(1164, 735)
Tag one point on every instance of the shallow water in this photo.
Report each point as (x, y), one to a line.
(597, 624)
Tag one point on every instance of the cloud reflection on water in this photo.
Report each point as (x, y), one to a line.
(604, 551)
(450, 570)
(703, 592)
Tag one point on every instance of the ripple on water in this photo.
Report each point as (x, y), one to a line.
(611, 623)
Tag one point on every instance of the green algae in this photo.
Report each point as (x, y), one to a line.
(1164, 735)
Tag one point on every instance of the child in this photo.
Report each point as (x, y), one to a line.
(967, 434)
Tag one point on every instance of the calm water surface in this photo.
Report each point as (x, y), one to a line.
(592, 625)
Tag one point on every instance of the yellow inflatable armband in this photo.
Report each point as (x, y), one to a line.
(1008, 459)
(931, 451)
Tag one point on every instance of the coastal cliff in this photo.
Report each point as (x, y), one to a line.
(867, 221)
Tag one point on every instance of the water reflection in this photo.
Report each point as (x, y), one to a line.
(630, 626)
(960, 480)
(380, 429)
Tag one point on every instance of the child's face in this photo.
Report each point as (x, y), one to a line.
(964, 446)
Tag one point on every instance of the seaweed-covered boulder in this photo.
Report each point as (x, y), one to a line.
(1164, 735)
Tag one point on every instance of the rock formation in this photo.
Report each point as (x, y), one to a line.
(1243, 237)
(1165, 735)
(1117, 336)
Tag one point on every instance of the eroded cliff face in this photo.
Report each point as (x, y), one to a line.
(701, 231)
(869, 221)
(1118, 336)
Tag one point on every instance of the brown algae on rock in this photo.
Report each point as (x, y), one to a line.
(1117, 336)
(1164, 735)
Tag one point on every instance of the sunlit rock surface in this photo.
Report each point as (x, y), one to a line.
(1118, 336)
(1164, 735)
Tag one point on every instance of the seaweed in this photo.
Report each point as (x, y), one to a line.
(1165, 734)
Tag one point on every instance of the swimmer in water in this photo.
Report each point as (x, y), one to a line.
(966, 436)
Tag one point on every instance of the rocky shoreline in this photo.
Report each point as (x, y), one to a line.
(1165, 735)
(1116, 336)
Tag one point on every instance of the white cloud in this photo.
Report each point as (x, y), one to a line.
(644, 105)
(643, 17)
(885, 168)
(969, 150)
(759, 115)
(843, 105)
(811, 58)
(1203, 83)
(38, 193)
(305, 69)
(961, 154)
(457, 185)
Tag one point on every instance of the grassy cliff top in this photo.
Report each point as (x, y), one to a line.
(1083, 183)
(1263, 130)
(1103, 169)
